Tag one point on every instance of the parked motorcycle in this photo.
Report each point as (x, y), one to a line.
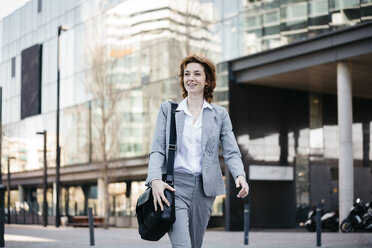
(359, 218)
(367, 219)
(329, 220)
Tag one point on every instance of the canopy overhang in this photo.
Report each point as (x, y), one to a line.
(311, 65)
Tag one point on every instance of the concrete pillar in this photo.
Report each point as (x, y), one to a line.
(54, 198)
(100, 197)
(21, 194)
(67, 200)
(21, 197)
(345, 120)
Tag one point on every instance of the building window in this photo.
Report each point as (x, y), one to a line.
(13, 66)
(39, 6)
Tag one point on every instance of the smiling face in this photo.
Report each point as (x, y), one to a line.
(197, 75)
(194, 79)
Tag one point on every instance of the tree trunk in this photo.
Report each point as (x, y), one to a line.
(106, 199)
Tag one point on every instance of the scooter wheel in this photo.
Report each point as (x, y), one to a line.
(346, 226)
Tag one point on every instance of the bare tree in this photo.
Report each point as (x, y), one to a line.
(198, 31)
(198, 26)
(102, 83)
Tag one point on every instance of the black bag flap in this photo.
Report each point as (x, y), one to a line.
(144, 197)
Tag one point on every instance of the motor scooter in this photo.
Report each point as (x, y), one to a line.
(329, 220)
(367, 218)
(359, 218)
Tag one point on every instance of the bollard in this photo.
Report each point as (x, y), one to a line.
(2, 215)
(318, 226)
(246, 223)
(91, 227)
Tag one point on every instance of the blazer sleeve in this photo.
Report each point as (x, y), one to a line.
(230, 149)
(158, 146)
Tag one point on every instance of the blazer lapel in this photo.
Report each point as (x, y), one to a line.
(208, 127)
(180, 123)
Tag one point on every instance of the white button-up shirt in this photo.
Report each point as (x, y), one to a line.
(189, 155)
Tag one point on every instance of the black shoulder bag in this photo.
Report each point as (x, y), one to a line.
(153, 225)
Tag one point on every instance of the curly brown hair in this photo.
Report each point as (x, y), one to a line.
(210, 75)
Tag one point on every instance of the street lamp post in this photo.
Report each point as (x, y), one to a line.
(58, 148)
(9, 158)
(45, 203)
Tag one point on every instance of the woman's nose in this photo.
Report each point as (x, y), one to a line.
(191, 78)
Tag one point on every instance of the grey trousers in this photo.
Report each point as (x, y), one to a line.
(193, 209)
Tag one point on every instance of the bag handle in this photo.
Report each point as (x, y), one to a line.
(172, 147)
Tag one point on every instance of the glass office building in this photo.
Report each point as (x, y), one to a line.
(270, 24)
(288, 88)
(139, 44)
(119, 55)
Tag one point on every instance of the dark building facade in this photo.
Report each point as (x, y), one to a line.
(285, 107)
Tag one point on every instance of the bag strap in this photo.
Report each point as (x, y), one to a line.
(172, 147)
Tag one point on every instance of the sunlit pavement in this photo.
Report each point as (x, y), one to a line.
(38, 236)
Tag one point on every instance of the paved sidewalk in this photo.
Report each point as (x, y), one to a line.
(38, 236)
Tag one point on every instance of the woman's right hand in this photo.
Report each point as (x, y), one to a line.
(158, 187)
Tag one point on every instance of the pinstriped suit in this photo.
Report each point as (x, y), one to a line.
(195, 195)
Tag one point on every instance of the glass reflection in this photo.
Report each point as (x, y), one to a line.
(76, 134)
(330, 142)
(269, 24)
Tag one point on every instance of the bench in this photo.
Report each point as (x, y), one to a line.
(83, 221)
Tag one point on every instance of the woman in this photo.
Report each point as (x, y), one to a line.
(201, 128)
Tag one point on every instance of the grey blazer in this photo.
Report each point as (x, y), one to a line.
(216, 130)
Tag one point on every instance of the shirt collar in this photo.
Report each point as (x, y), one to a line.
(183, 106)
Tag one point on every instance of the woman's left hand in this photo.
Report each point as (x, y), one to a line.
(240, 182)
